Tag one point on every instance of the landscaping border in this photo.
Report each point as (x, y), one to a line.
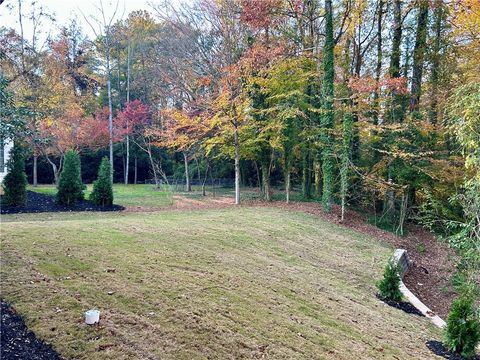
(400, 256)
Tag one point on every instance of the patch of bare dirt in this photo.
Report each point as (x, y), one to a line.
(181, 202)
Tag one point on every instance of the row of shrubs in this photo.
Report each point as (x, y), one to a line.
(69, 188)
(462, 334)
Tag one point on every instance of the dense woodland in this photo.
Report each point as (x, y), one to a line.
(369, 104)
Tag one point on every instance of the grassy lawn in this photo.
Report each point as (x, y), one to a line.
(216, 284)
(126, 195)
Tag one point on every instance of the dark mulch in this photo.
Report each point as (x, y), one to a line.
(402, 305)
(440, 350)
(37, 203)
(17, 342)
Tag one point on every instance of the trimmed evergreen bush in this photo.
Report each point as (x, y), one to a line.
(463, 327)
(102, 193)
(15, 182)
(389, 286)
(70, 187)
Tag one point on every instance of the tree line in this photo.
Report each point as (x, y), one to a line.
(370, 104)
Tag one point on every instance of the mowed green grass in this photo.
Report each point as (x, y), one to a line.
(211, 284)
(143, 195)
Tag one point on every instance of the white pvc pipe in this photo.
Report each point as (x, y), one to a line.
(92, 317)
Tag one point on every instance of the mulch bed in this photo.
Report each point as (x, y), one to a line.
(17, 342)
(402, 305)
(38, 203)
(440, 350)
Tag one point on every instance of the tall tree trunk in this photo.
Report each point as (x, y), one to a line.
(127, 138)
(55, 169)
(394, 70)
(309, 40)
(135, 172)
(123, 165)
(438, 15)
(266, 180)
(257, 171)
(355, 143)
(317, 170)
(236, 144)
(35, 167)
(378, 66)
(287, 186)
(419, 55)
(328, 164)
(307, 172)
(207, 167)
(395, 112)
(345, 161)
(152, 164)
(348, 136)
(110, 110)
(187, 175)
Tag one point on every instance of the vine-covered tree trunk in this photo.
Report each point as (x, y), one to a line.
(327, 119)
(419, 55)
(346, 154)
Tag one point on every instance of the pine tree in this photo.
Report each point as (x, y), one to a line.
(463, 327)
(102, 193)
(389, 286)
(15, 182)
(70, 187)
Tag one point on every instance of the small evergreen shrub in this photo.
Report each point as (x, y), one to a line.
(15, 182)
(102, 193)
(389, 286)
(463, 327)
(70, 187)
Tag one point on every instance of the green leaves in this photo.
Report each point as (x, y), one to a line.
(70, 187)
(102, 193)
(389, 286)
(463, 327)
(15, 182)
